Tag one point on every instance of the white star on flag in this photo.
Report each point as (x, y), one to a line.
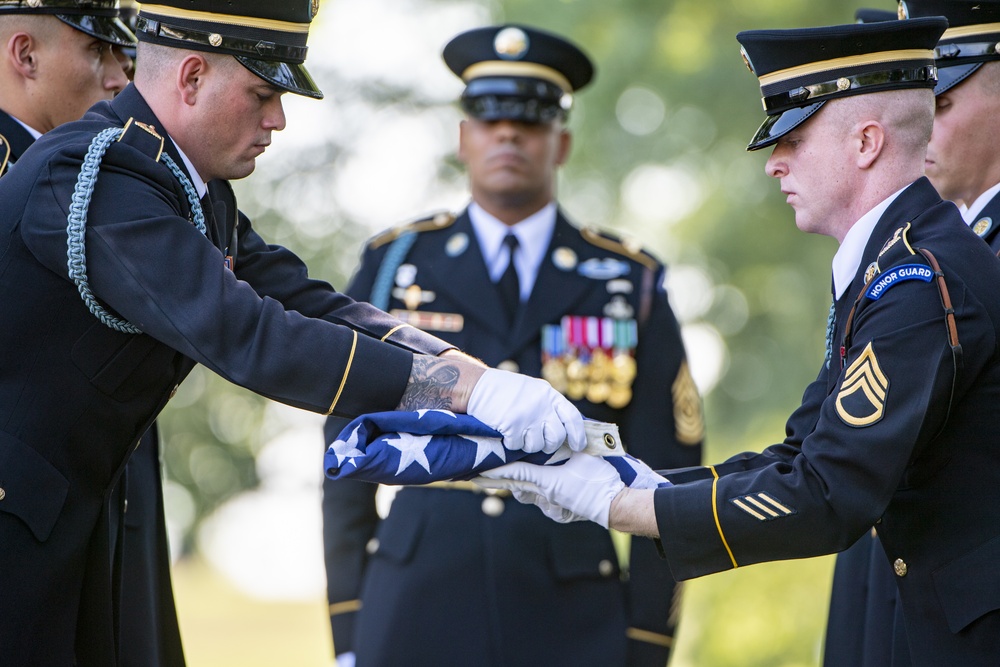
(486, 446)
(347, 449)
(411, 448)
(424, 411)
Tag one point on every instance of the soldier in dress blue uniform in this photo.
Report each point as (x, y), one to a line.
(126, 262)
(59, 60)
(866, 627)
(79, 58)
(454, 575)
(898, 431)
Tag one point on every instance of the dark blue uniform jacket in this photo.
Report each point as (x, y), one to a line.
(903, 440)
(450, 577)
(865, 626)
(75, 395)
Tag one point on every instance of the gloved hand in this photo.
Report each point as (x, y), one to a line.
(528, 412)
(346, 659)
(582, 488)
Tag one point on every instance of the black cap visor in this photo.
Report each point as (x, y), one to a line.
(522, 109)
(109, 29)
(949, 77)
(776, 126)
(288, 76)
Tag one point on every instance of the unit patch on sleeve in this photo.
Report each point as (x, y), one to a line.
(762, 506)
(688, 422)
(861, 400)
(896, 275)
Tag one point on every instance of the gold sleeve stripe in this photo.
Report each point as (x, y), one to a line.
(649, 637)
(749, 510)
(775, 503)
(970, 31)
(212, 17)
(394, 330)
(761, 506)
(515, 68)
(345, 607)
(347, 371)
(715, 511)
(846, 61)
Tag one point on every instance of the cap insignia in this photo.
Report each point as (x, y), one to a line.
(902, 11)
(746, 61)
(511, 43)
(313, 9)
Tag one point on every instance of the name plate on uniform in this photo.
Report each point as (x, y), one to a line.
(428, 321)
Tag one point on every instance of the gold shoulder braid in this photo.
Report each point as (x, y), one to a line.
(439, 220)
(4, 154)
(629, 249)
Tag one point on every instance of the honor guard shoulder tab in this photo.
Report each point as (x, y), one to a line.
(439, 220)
(626, 247)
(142, 137)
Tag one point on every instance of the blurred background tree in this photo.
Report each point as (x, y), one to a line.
(659, 155)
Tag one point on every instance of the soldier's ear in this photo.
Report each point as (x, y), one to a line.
(191, 77)
(463, 127)
(21, 52)
(565, 144)
(870, 138)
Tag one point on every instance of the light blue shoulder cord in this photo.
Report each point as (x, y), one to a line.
(394, 257)
(77, 221)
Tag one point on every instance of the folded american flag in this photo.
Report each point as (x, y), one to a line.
(426, 446)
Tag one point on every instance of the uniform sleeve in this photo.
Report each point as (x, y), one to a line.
(155, 269)
(663, 426)
(891, 398)
(349, 513)
(277, 273)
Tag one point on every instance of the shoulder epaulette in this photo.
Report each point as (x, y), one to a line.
(4, 154)
(143, 138)
(896, 249)
(438, 220)
(628, 247)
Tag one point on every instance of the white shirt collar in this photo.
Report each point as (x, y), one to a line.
(35, 134)
(970, 213)
(848, 258)
(533, 236)
(196, 180)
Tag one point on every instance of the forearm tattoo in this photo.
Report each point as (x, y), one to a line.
(431, 385)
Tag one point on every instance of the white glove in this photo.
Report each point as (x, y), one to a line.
(528, 412)
(345, 659)
(581, 488)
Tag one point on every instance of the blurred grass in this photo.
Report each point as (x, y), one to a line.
(222, 627)
(767, 615)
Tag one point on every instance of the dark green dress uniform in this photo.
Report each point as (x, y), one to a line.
(865, 626)
(903, 436)
(455, 576)
(76, 394)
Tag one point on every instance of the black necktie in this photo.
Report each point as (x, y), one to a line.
(509, 285)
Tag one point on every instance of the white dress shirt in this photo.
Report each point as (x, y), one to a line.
(533, 236)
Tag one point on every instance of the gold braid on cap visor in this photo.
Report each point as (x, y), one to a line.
(802, 94)
(512, 68)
